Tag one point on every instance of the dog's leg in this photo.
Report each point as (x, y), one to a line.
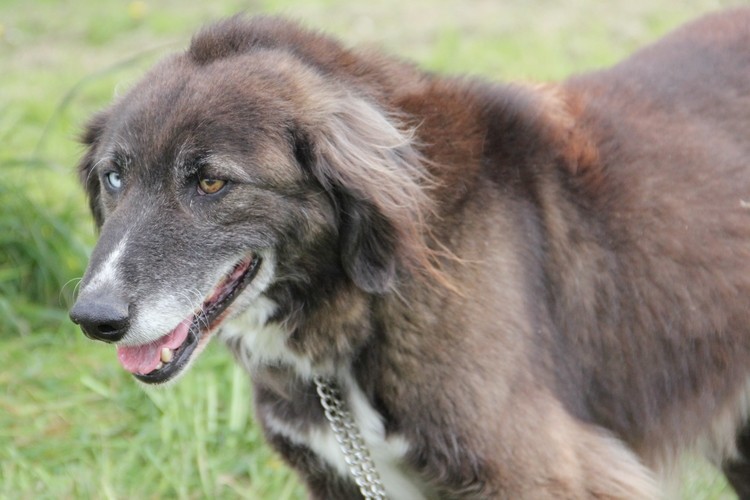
(737, 469)
(593, 464)
(612, 470)
(540, 451)
(322, 482)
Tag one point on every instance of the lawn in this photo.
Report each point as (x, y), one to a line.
(72, 423)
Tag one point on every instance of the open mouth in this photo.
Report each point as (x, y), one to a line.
(162, 359)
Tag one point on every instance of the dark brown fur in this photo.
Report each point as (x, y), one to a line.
(547, 289)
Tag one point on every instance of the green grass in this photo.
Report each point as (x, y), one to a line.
(72, 423)
(75, 426)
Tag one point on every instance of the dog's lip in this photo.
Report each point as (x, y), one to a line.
(191, 332)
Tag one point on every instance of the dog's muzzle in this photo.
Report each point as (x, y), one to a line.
(104, 315)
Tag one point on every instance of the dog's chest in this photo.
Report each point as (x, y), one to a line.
(299, 418)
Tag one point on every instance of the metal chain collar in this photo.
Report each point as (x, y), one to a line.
(356, 454)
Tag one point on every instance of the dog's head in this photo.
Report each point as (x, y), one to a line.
(259, 162)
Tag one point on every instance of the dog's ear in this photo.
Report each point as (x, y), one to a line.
(368, 245)
(369, 164)
(90, 138)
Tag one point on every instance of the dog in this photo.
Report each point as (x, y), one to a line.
(516, 290)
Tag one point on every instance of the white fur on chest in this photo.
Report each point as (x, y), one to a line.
(262, 344)
(387, 453)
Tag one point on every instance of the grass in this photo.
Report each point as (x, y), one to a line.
(72, 423)
(75, 427)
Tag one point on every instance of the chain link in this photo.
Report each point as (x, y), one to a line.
(356, 454)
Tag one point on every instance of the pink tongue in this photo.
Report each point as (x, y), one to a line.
(143, 359)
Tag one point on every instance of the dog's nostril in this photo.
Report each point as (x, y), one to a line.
(103, 317)
(107, 328)
(111, 331)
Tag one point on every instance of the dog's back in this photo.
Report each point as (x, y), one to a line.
(668, 199)
(665, 282)
(671, 192)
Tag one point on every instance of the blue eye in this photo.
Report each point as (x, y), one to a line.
(114, 180)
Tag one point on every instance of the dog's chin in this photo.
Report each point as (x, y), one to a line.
(177, 349)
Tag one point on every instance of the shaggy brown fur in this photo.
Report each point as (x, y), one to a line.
(544, 290)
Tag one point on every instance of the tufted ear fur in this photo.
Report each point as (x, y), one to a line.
(90, 139)
(369, 163)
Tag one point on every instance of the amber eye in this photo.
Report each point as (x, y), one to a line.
(210, 186)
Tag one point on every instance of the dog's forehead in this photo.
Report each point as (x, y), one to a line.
(181, 113)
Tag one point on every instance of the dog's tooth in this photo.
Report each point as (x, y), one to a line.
(159, 366)
(166, 354)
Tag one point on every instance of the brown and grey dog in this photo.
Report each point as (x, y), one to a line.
(523, 291)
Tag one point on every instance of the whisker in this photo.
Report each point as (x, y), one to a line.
(61, 295)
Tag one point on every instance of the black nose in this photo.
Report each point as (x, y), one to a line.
(101, 317)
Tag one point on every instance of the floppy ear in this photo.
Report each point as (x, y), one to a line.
(90, 139)
(369, 164)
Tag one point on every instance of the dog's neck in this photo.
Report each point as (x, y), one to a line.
(283, 365)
